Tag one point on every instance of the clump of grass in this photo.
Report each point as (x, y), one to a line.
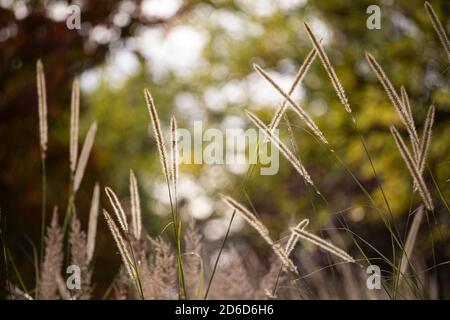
(79, 257)
(52, 261)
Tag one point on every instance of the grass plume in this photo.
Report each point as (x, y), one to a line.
(136, 219)
(121, 246)
(253, 221)
(426, 138)
(413, 169)
(329, 69)
(118, 210)
(282, 147)
(293, 239)
(439, 28)
(396, 102)
(158, 132)
(300, 112)
(328, 246)
(42, 104)
(43, 139)
(84, 156)
(93, 219)
(297, 80)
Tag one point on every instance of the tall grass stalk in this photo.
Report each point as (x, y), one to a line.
(43, 138)
(164, 163)
(127, 257)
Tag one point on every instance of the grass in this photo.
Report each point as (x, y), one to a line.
(152, 269)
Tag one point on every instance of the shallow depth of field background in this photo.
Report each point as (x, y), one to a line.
(196, 58)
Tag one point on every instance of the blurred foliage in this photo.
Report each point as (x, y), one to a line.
(406, 47)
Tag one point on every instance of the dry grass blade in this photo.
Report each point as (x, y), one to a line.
(120, 242)
(426, 138)
(411, 240)
(74, 118)
(323, 244)
(396, 102)
(293, 239)
(136, 219)
(174, 151)
(253, 221)
(329, 69)
(42, 104)
(297, 80)
(92, 227)
(157, 131)
(300, 112)
(413, 169)
(282, 147)
(118, 210)
(84, 156)
(438, 27)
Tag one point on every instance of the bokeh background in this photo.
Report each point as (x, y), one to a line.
(196, 57)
